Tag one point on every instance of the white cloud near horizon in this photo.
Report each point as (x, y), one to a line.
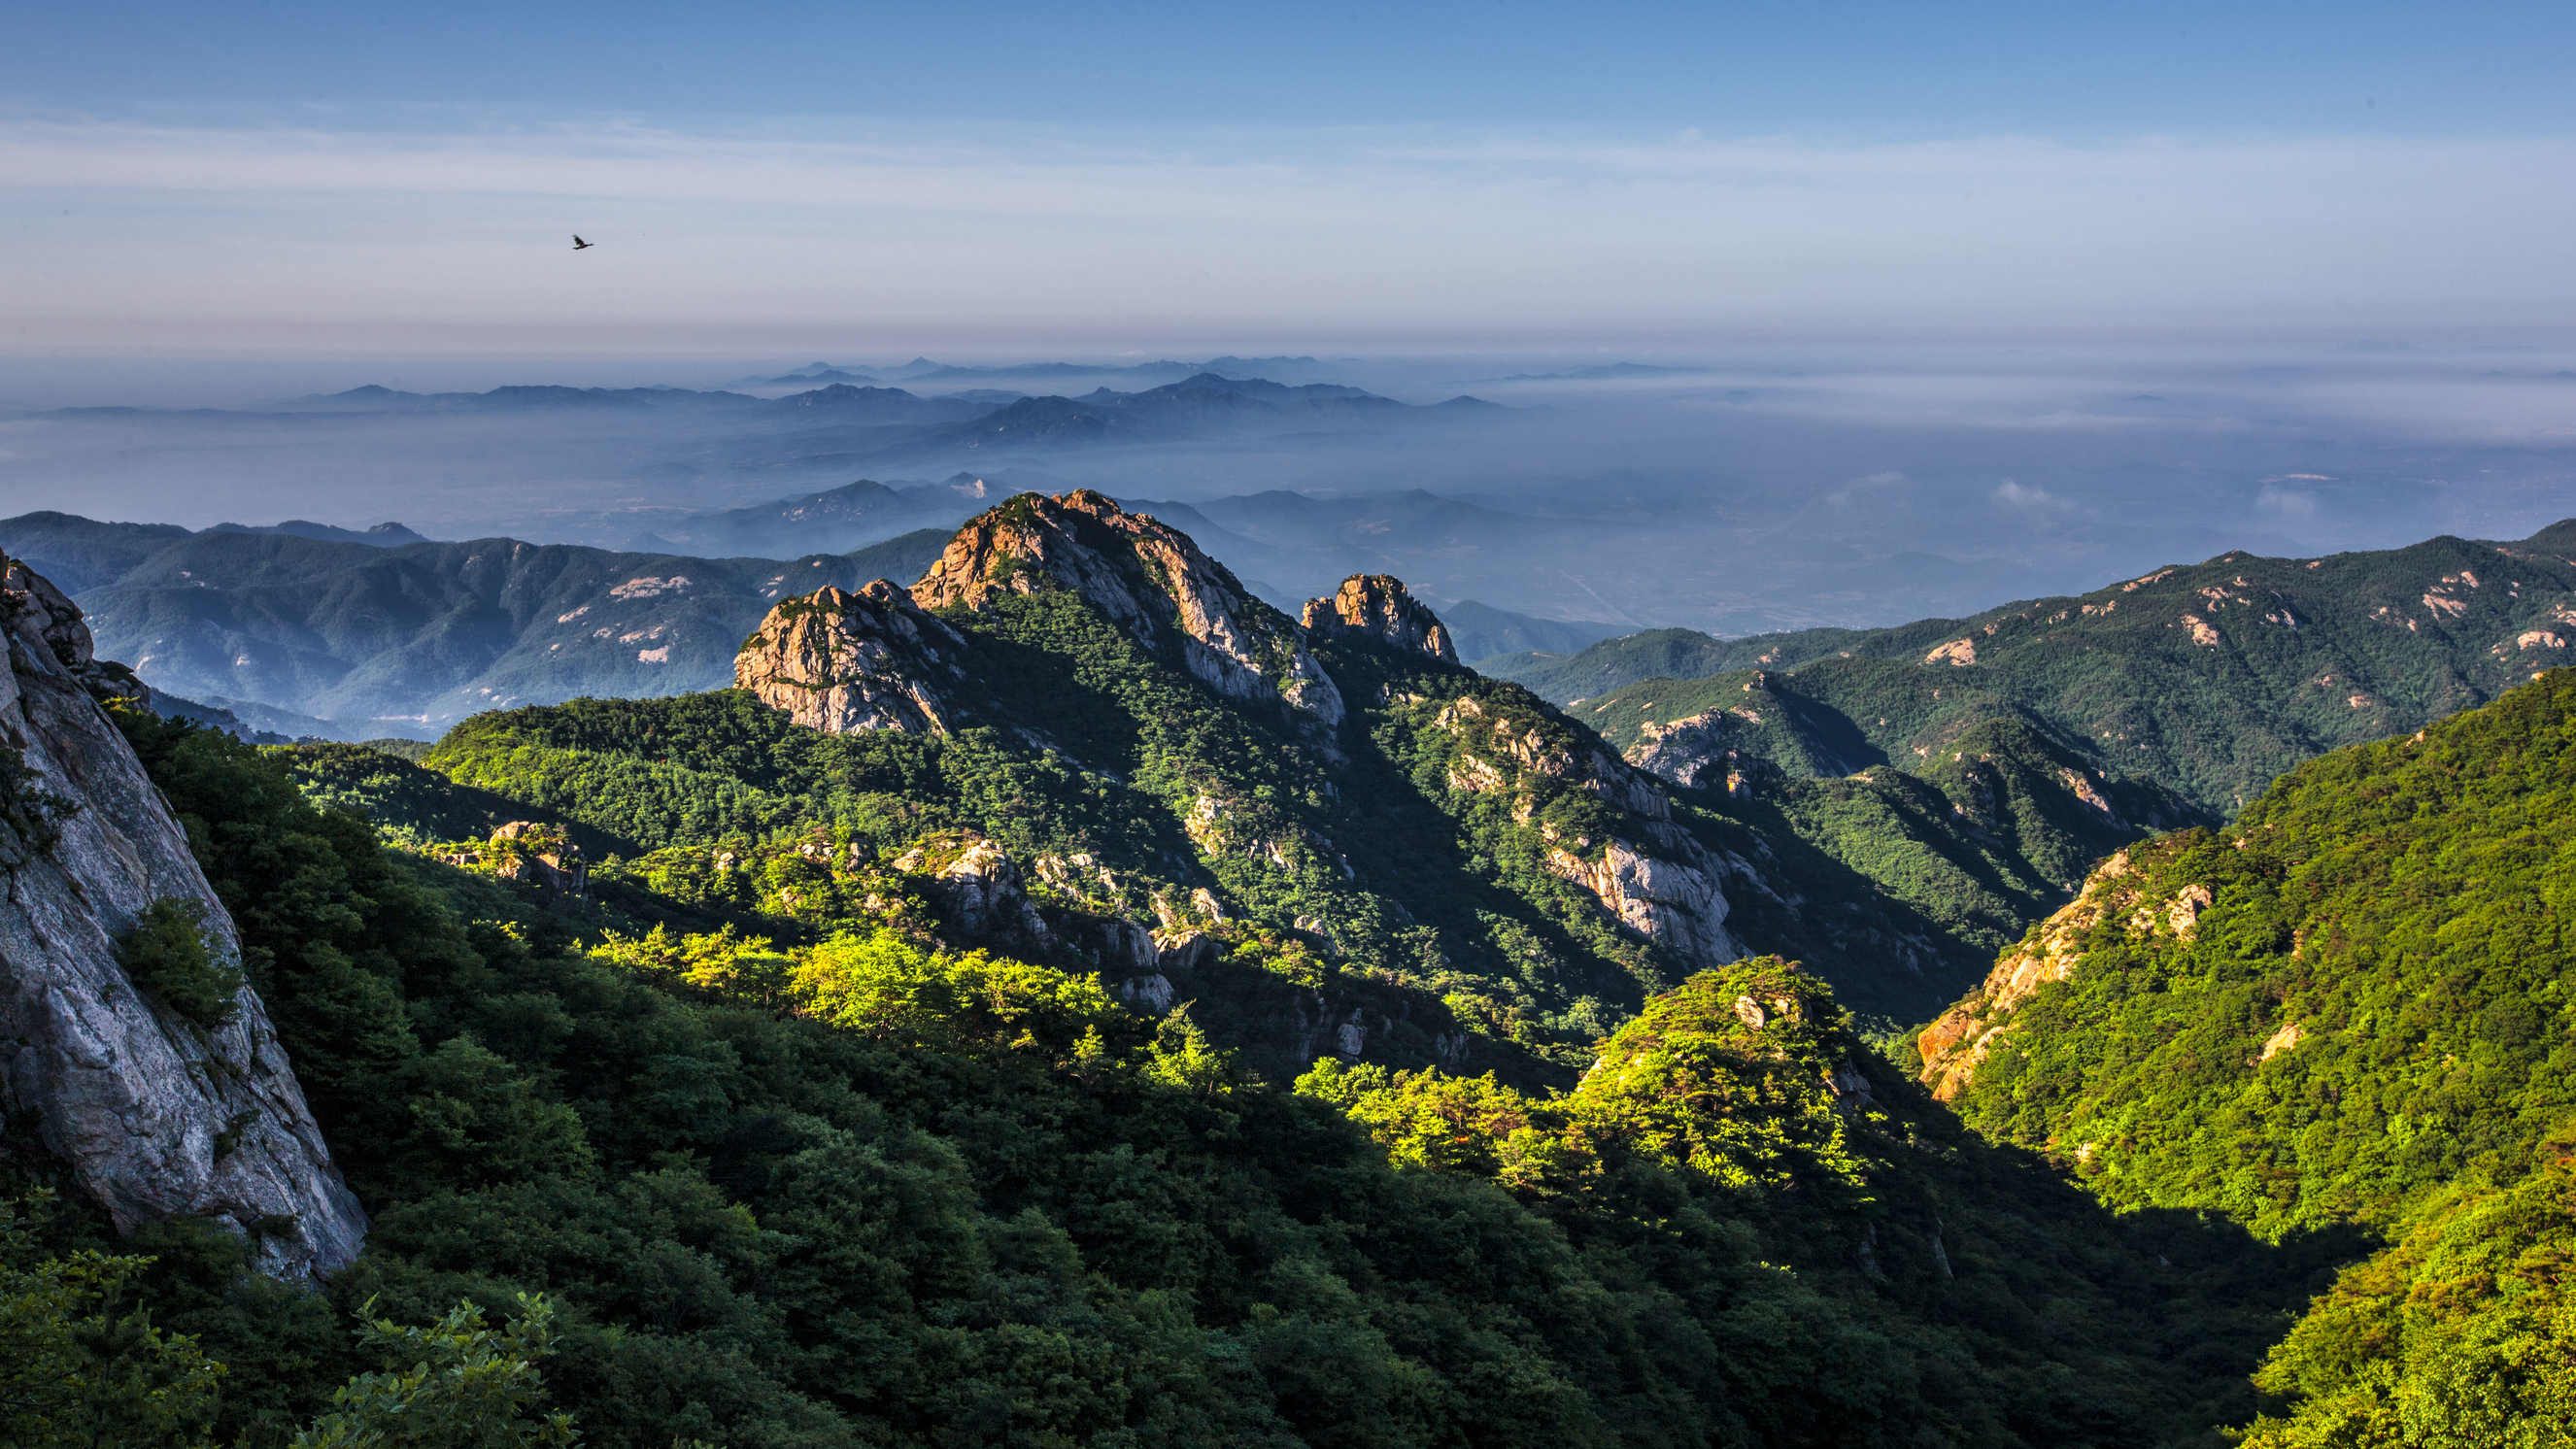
(2013, 493)
(151, 236)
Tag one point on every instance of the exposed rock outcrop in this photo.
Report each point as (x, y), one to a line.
(977, 885)
(1650, 874)
(1697, 749)
(1671, 897)
(845, 662)
(1380, 607)
(1508, 746)
(156, 1116)
(2286, 1039)
(1146, 575)
(1958, 1040)
(543, 856)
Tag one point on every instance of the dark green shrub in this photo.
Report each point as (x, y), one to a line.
(166, 956)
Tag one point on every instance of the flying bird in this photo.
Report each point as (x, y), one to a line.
(577, 243)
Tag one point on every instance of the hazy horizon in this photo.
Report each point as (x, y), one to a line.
(1967, 305)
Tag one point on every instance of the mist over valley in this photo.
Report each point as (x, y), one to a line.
(1828, 487)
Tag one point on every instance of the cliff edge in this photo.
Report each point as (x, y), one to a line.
(156, 1114)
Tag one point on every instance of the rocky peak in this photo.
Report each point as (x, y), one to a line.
(1144, 574)
(1380, 607)
(843, 662)
(155, 1115)
(31, 602)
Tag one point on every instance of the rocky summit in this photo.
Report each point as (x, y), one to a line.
(1146, 575)
(841, 662)
(1379, 606)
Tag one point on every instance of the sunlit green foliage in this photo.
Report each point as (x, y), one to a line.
(861, 1190)
(458, 1383)
(2462, 1335)
(82, 1363)
(2374, 1003)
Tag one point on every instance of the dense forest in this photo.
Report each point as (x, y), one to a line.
(2348, 1013)
(865, 1191)
(1137, 1057)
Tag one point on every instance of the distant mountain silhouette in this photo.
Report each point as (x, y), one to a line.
(383, 535)
(812, 372)
(1602, 372)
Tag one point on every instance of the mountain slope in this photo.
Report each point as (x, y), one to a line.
(2349, 1009)
(2209, 679)
(80, 554)
(2350, 995)
(856, 1191)
(1186, 771)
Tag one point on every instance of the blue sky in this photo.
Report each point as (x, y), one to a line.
(320, 177)
(1870, 69)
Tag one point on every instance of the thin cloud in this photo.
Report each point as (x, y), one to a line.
(1325, 228)
(2291, 505)
(2015, 494)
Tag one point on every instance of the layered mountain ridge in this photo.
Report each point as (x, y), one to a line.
(2209, 678)
(365, 641)
(324, 637)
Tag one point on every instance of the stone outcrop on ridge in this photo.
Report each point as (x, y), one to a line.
(1380, 607)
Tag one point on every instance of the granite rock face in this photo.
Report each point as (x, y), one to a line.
(1956, 1043)
(1147, 576)
(1380, 607)
(1648, 873)
(155, 1116)
(843, 662)
(1667, 891)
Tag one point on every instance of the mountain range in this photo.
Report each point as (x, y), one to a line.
(302, 629)
(1942, 801)
(1072, 995)
(1600, 372)
(357, 640)
(2211, 678)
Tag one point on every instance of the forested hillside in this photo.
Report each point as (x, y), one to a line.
(1072, 1002)
(2207, 679)
(2346, 1012)
(868, 1191)
(1447, 834)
